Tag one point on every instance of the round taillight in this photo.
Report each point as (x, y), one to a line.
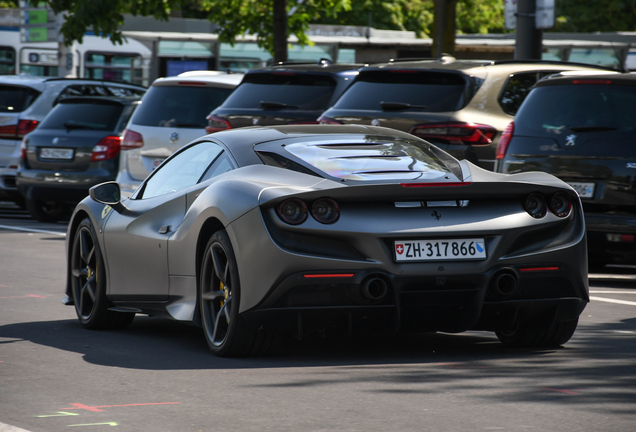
(535, 205)
(325, 210)
(292, 211)
(560, 204)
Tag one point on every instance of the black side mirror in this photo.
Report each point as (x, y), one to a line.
(108, 193)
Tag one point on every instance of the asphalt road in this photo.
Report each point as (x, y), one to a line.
(159, 375)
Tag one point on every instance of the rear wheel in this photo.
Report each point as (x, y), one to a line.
(88, 282)
(225, 330)
(554, 336)
(46, 211)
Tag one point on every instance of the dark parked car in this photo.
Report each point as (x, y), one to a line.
(24, 102)
(75, 147)
(283, 94)
(462, 106)
(582, 129)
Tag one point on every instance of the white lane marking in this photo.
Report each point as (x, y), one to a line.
(34, 230)
(613, 301)
(8, 428)
(612, 292)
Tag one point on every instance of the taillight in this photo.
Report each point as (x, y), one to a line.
(325, 210)
(328, 120)
(535, 205)
(17, 132)
(217, 124)
(131, 140)
(506, 136)
(23, 149)
(591, 81)
(107, 148)
(456, 133)
(292, 211)
(560, 204)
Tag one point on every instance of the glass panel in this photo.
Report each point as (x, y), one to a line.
(596, 56)
(15, 99)
(185, 49)
(182, 171)
(91, 116)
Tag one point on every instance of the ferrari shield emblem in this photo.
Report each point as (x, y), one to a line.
(106, 210)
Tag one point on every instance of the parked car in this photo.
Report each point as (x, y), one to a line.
(24, 102)
(462, 106)
(313, 228)
(76, 146)
(582, 129)
(293, 93)
(171, 114)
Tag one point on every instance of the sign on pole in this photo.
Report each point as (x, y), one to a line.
(37, 23)
(544, 18)
(510, 14)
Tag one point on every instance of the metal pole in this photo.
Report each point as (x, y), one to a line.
(529, 39)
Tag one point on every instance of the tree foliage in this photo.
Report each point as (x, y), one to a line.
(595, 16)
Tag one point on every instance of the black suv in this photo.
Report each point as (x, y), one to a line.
(462, 106)
(283, 94)
(582, 128)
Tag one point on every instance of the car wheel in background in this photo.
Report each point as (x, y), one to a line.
(46, 211)
(88, 279)
(556, 335)
(226, 332)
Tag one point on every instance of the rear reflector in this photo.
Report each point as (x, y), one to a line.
(192, 83)
(331, 275)
(591, 81)
(418, 185)
(620, 238)
(538, 269)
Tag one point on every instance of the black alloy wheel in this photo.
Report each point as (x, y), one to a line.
(225, 330)
(88, 283)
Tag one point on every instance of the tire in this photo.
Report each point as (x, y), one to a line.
(46, 211)
(88, 283)
(554, 336)
(226, 331)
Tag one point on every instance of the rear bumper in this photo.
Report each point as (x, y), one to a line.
(599, 225)
(61, 187)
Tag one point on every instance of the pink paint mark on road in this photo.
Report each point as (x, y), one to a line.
(78, 406)
(561, 390)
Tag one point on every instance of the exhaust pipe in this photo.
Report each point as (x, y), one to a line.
(374, 289)
(504, 284)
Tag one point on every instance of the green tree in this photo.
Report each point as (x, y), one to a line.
(594, 15)
(235, 18)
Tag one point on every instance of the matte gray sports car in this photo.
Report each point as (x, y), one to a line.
(254, 232)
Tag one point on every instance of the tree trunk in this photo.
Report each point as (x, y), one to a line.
(280, 31)
(444, 27)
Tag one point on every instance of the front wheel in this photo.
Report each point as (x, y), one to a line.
(88, 282)
(556, 335)
(225, 330)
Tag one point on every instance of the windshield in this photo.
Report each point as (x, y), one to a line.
(423, 91)
(103, 117)
(179, 106)
(283, 90)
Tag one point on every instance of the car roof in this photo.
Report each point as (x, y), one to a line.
(40, 82)
(221, 79)
(100, 100)
(321, 67)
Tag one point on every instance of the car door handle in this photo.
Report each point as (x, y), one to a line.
(164, 229)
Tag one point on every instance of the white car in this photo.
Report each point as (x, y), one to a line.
(172, 113)
(24, 102)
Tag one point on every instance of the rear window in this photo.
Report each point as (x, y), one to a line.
(98, 90)
(179, 106)
(83, 116)
(384, 159)
(556, 111)
(426, 91)
(14, 99)
(296, 91)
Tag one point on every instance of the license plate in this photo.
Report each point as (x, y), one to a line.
(585, 190)
(440, 250)
(56, 153)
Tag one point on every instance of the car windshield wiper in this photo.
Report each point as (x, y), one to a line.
(592, 128)
(190, 125)
(279, 105)
(390, 106)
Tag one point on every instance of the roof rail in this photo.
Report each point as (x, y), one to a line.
(322, 61)
(560, 62)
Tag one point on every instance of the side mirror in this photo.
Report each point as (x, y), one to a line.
(108, 193)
